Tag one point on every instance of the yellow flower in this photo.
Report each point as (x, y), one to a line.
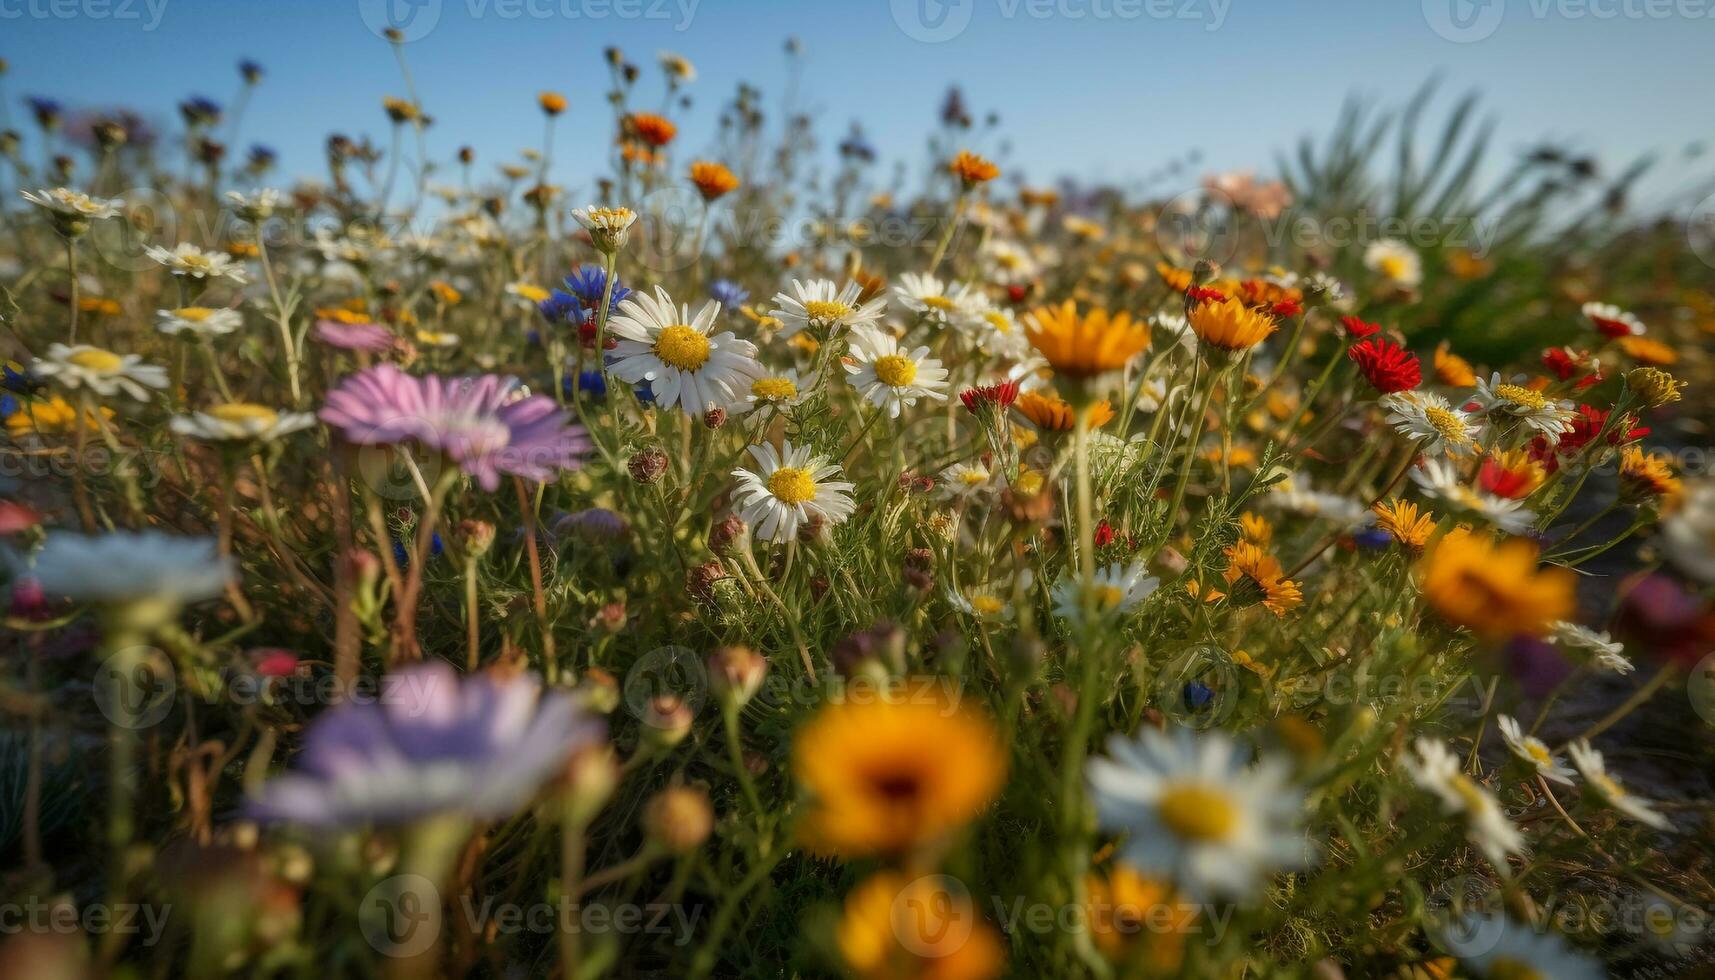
(1137, 920)
(972, 169)
(1655, 386)
(527, 292)
(1649, 477)
(898, 927)
(1087, 346)
(54, 416)
(1257, 576)
(1402, 522)
(1230, 325)
(99, 306)
(890, 774)
(445, 293)
(1256, 529)
(400, 110)
(552, 103)
(1645, 350)
(1451, 369)
(1177, 279)
(1053, 414)
(1494, 589)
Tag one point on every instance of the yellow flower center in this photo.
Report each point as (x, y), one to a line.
(195, 314)
(998, 321)
(1508, 968)
(1607, 785)
(1393, 267)
(774, 389)
(1109, 596)
(1523, 397)
(792, 485)
(971, 478)
(823, 311)
(1538, 753)
(941, 303)
(896, 370)
(1197, 812)
(1448, 423)
(96, 359)
(196, 261)
(244, 412)
(1472, 794)
(987, 605)
(681, 347)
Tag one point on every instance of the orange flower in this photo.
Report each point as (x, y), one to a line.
(900, 927)
(552, 103)
(1451, 369)
(1053, 414)
(1644, 350)
(1176, 279)
(1257, 576)
(1132, 918)
(713, 180)
(652, 129)
(1087, 346)
(1496, 590)
(972, 169)
(1230, 326)
(1649, 477)
(1402, 522)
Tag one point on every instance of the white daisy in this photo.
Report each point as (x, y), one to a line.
(1304, 500)
(1537, 411)
(608, 227)
(1154, 394)
(1605, 652)
(1117, 589)
(1330, 288)
(189, 260)
(253, 207)
(1436, 769)
(996, 331)
(1394, 261)
(64, 202)
(666, 346)
(1426, 416)
(101, 371)
(1439, 479)
(131, 566)
(1595, 773)
(1517, 951)
(979, 603)
(241, 422)
(891, 378)
(784, 389)
(1533, 752)
(1196, 811)
(1611, 320)
(789, 488)
(1688, 534)
(966, 479)
(201, 321)
(939, 303)
(1006, 262)
(825, 308)
(1176, 330)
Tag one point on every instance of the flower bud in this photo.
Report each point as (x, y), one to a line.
(598, 690)
(1655, 386)
(477, 536)
(679, 818)
(364, 566)
(668, 719)
(728, 533)
(647, 465)
(592, 774)
(714, 418)
(737, 671)
(610, 617)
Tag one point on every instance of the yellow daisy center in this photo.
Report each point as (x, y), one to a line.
(998, 321)
(1538, 753)
(196, 261)
(195, 314)
(941, 303)
(1197, 812)
(1508, 968)
(896, 370)
(1109, 596)
(681, 347)
(774, 389)
(1472, 794)
(1607, 784)
(792, 485)
(826, 310)
(987, 605)
(244, 412)
(1393, 267)
(1448, 424)
(971, 478)
(96, 359)
(1523, 397)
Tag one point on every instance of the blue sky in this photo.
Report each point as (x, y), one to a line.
(1092, 88)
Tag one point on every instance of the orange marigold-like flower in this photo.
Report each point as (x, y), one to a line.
(1231, 326)
(1257, 576)
(1649, 477)
(1646, 350)
(972, 169)
(1053, 414)
(652, 129)
(1495, 589)
(1402, 521)
(713, 180)
(1088, 345)
(552, 103)
(1451, 369)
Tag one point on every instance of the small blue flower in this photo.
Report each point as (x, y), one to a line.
(200, 110)
(9, 406)
(47, 111)
(588, 283)
(262, 156)
(644, 393)
(590, 383)
(1198, 695)
(1372, 538)
(251, 70)
(561, 307)
(728, 293)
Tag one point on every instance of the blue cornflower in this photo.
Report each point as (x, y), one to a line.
(561, 307)
(590, 383)
(644, 393)
(587, 284)
(200, 110)
(728, 293)
(1372, 538)
(251, 70)
(262, 156)
(46, 111)
(1198, 695)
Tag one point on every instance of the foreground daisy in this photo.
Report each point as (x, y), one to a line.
(886, 775)
(241, 422)
(194, 263)
(1539, 413)
(664, 346)
(1115, 590)
(1429, 418)
(965, 479)
(789, 488)
(1394, 261)
(72, 211)
(200, 321)
(1517, 952)
(824, 308)
(1533, 752)
(1194, 810)
(1434, 768)
(1595, 772)
(891, 378)
(100, 370)
(131, 567)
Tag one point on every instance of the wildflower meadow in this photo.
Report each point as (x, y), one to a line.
(756, 559)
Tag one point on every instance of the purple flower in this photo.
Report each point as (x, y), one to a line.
(486, 425)
(431, 744)
(371, 337)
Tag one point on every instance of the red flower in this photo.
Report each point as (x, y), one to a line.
(1387, 366)
(1104, 535)
(1286, 308)
(1668, 623)
(1017, 293)
(1567, 363)
(1358, 329)
(1203, 294)
(1000, 395)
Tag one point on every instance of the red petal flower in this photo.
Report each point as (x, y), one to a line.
(1387, 366)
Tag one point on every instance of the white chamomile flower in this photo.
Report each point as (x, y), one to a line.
(824, 308)
(241, 422)
(608, 227)
(966, 479)
(1439, 479)
(1612, 321)
(253, 207)
(997, 333)
(64, 202)
(1154, 395)
(939, 303)
(1497, 949)
(198, 321)
(980, 603)
(1330, 288)
(1006, 262)
(1533, 752)
(784, 389)
(1175, 330)
(1688, 534)
(191, 261)
(1197, 812)
(1302, 499)
(1605, 652)
(1537, 411)
(1394, 261)
(1595, 772)
(891, 378)
(131, 566)
(1116, 590)
(436, 338)
(100, 370)
(1423, 415)
(1437, 770)
(789, 488)
(673, 351)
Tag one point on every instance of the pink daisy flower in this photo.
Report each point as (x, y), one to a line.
(371, 337)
